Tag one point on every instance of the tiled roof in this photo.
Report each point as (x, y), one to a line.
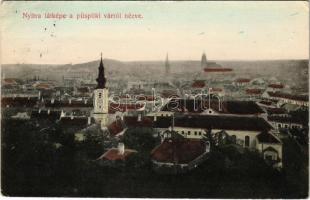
(277, 86)
(243, 80)
(114, 154)
(254, 91)
(199, 84)
(122, 107)
(179, 151)
(116, 127)
(289, 96)
(148, 121)
(228, 107)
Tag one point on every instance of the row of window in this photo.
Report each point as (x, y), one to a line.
(189, 133)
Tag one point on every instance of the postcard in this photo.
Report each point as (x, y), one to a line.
(161, 99)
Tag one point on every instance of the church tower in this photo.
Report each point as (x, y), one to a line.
(167, 65)
(101, 98)
(204, 62)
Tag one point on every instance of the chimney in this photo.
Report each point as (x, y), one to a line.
(155, 118)
(39, 111)
(121, 148)
(62, 113)
(48, 111)
(69, 101)
(139, 117)
(52, 101)
(88, 120)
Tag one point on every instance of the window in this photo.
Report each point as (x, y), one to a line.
(188, 133)
(234, 139)
(182, 132)
(279, 125)
(199, 133)
(100, 94)
(195, 132)
(247, 141)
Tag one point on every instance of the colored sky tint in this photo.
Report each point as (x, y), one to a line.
(224, 30)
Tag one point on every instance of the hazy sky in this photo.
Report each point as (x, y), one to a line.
(224, 30)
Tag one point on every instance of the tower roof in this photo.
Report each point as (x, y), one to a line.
(101, 80)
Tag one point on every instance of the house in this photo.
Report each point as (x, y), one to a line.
(21, 116)
(284, 122)
(283, 98)
(270, 147)
(243, 128)
(176, 155)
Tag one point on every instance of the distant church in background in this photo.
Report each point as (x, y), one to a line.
(101, 98)
(204, 62)
(167, 65)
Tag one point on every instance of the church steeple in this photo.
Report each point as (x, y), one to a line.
(101, 80)
(204, 62)
(167, 65)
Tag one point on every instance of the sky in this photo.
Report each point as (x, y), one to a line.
(223, 30)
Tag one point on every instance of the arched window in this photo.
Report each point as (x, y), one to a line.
(247, 141)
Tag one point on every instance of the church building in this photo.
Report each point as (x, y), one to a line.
(101, 98)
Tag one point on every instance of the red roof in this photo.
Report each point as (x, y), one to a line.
(199, 84)
(216, 89)
(180, 151)
(132, 121)
(114, 154)
(116, 127)
(43, 86)
(145, 98)
(243, 80)
(254, 91)
(10, 81)
(289, 96)
(217, 69)
(276, 86)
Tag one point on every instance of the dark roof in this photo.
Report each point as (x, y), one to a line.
(66, 103)
(148, 121)
(286, 119)
(19, 101)
(276, 111)
(75, 121)
(223, 122)
(180, 151)
(289, 96)
(44, 114)
(268, 103)
(217, 69)
(265, 137)
(198, 106)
